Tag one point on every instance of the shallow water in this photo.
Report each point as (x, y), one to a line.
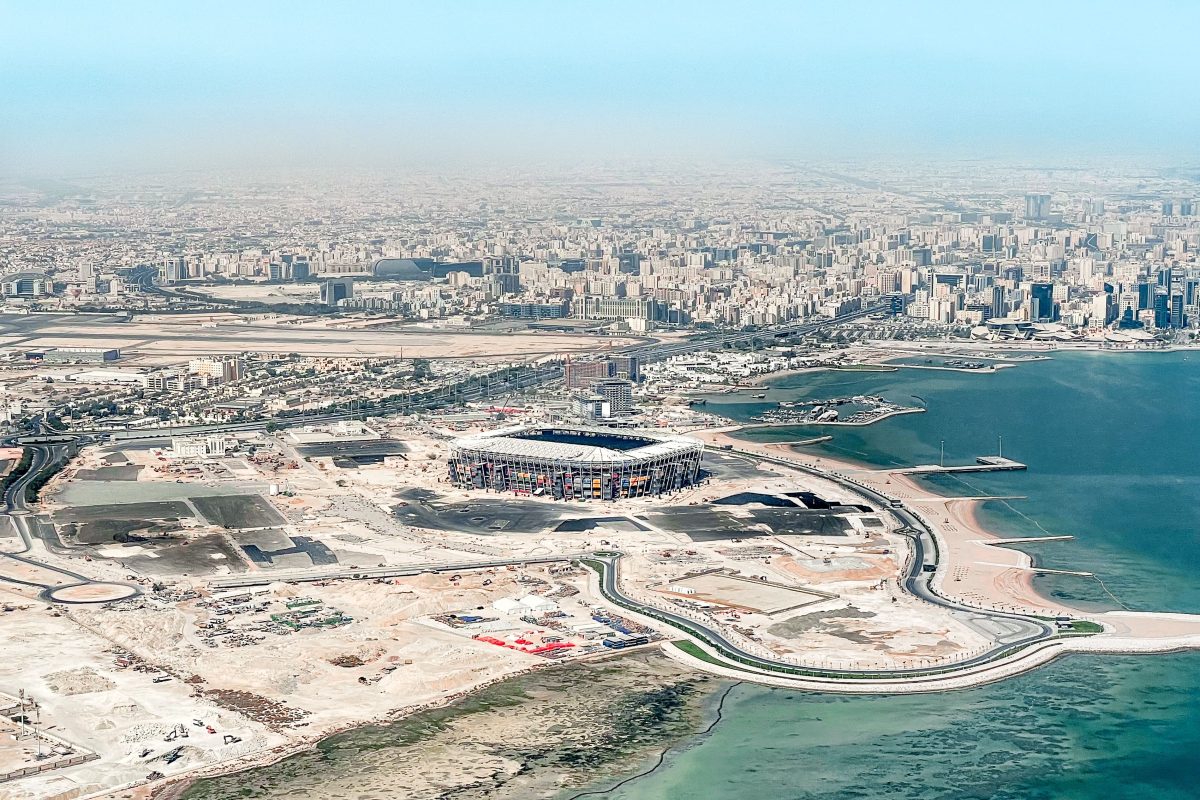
(1113, 444)
(1082, 727)
(1113, 447)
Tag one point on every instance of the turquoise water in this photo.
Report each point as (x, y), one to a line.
(1113, 444)
(1082, 728)
(1113, 447)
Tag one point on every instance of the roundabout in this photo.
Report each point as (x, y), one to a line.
(90, 592)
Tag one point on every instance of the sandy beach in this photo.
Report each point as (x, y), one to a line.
(975, 571)
(977, 567)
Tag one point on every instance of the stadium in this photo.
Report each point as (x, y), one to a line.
(575, 462)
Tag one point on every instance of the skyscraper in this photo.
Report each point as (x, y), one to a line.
(1042, 302)
(174, 270)
(1162, 309)
(998, 307)
(1037, 206)
(337, 289)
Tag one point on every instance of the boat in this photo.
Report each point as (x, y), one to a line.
(759, 396)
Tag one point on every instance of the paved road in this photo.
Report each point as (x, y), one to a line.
(498, 384)
(43, 456)
(925, 552)
(1014, 630)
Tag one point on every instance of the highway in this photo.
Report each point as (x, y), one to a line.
(14, 496)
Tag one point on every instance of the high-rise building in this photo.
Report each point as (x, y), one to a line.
(624, 367)
(580, 374)
(1037, 206)
(24, 284)
(225, 369)
(1175, 310)
(174, 270)
(617, 393)
(629, 263)
(1145, 291)
(998, 308)
(1162, 309)
(335, 290)
(1042, 307)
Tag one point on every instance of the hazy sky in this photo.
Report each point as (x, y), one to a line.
(95, 86)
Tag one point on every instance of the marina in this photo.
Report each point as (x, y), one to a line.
(858, 410)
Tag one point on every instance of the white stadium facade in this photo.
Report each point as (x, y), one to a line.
(572, 462)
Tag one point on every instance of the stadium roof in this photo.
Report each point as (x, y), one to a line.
(505, 442)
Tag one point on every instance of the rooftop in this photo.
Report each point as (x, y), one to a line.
(577, 443)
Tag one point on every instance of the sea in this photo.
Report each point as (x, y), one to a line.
(1112, 441)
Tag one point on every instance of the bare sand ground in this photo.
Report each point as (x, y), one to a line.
(975, 571)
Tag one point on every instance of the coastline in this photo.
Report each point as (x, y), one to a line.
(176, 786)
(963, 512)
(1007, 585)
(976, 569)
(984, 552)
(983, 568)
(608, 717)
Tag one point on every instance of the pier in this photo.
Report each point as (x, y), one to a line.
(982, 464)
(802, 442)
(1026, 540)
(1043, 570)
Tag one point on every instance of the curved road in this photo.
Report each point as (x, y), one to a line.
(916, 581)
(43, 456)
(498, 384)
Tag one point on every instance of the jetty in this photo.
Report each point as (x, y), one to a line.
(982, 464)
(1026, 540)
(802, 442)
(1043, 570)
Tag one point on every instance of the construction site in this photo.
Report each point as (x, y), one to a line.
(277, 587)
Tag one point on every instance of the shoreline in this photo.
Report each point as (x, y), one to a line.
(960, 528)
(968, 538)
(176, 786)
(976, 569)
(488, 739)
(1011, 353)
